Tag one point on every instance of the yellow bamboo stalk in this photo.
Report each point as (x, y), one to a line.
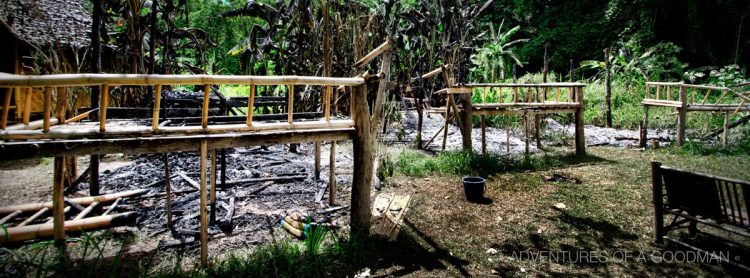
(206, 96)
(157, 107)
(27, 106)
(47, 108)
(103, 107)
(250, 105)
(290, 107)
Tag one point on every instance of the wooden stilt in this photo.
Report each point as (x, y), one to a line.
(223, 168)
(206, 98)
(157, 107)
(290, 103)
(725, 134)
(168, 189)
(681, 116)
(363, 155)
(332, 175)
(507, 134)
(526, 133)
(465, 121)
(58, 201)
(317, 160)
(212, 199)
(250, 105)
(644, 128)
(580, 136)
(94, 175)
(447, 119)
(204, 217)
(61, 93)
(484, 138)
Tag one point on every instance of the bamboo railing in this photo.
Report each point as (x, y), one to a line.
(51, 84)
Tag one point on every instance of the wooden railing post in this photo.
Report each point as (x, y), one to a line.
(58, 200)
(250, 105)
(157, 107)
(466, 121)
(47, 108)
(290, 103)
(206, 97)
(103, 108)
(681, 116)
(363, 155)
(328, 103)
(27, 105)
(580, 137)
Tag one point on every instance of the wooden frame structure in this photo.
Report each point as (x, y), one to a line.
(59, 137)
(686, 98)
(533, 99)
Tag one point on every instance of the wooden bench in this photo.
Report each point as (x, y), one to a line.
(693, 199)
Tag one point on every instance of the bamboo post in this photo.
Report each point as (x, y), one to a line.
(168, 189)
(332, 175)
(580, 137)
(47, 108)
(61, 93)
(94, 175)
(537, 124)
(33, 217)
(290, 104)
(6, 108)
(212, 199)
(27, 105)
(206, 98)
(484, 138)
(103, 107)
(658, 201)
(681, 116)
(507, 134)
(658, 92)
(644, 127)
(328, 103)
(86, 211)
(363, 154)
(725, 135)
(526, 132)
(204, 218)
(58, 201)
(157, 107)
(465, 121)
(250, 105)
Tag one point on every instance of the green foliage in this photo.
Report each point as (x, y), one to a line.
(633, 65)
(491, 60)
(726, 76)
(314, 237)
(386, 167)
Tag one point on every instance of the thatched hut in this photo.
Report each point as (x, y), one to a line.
(42, 37)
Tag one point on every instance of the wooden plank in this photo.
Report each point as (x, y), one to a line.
(203, 201)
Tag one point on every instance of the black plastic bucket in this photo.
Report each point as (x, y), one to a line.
(473, 188)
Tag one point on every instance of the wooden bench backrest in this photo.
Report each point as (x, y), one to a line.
(718, 198)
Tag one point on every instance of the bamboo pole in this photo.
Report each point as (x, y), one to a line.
(681, 116)
(47, 108)
(212, 197)
(290, 104)
(86, 211)
(61, 93)
(58, 201)
(332, 175)
(81, 201)
(27, 105)
(103, 107)
(317, 160)
(70, 80)
(725, 134)
(579, 136)
(6, 108)
(328, 103)
(157, 107)
(167, 189)
(644, 128)
(507, 134)
(526, 133)
(15, 234)
(52, 219)
(250, 105)
(374, 53)
(484, 137)
(9, 217)
(33, 217)
(204, 218)
(363, 151)
(206, 98)
(447, 119)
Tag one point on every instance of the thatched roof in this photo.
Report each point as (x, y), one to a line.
(44, 22)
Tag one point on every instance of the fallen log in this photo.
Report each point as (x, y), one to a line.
(734, 124)
(83, 201)
(189, 180)
(30, 232)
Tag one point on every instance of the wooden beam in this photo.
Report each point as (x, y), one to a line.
(363, 155)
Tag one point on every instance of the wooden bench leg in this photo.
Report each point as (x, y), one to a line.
(658, 203)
